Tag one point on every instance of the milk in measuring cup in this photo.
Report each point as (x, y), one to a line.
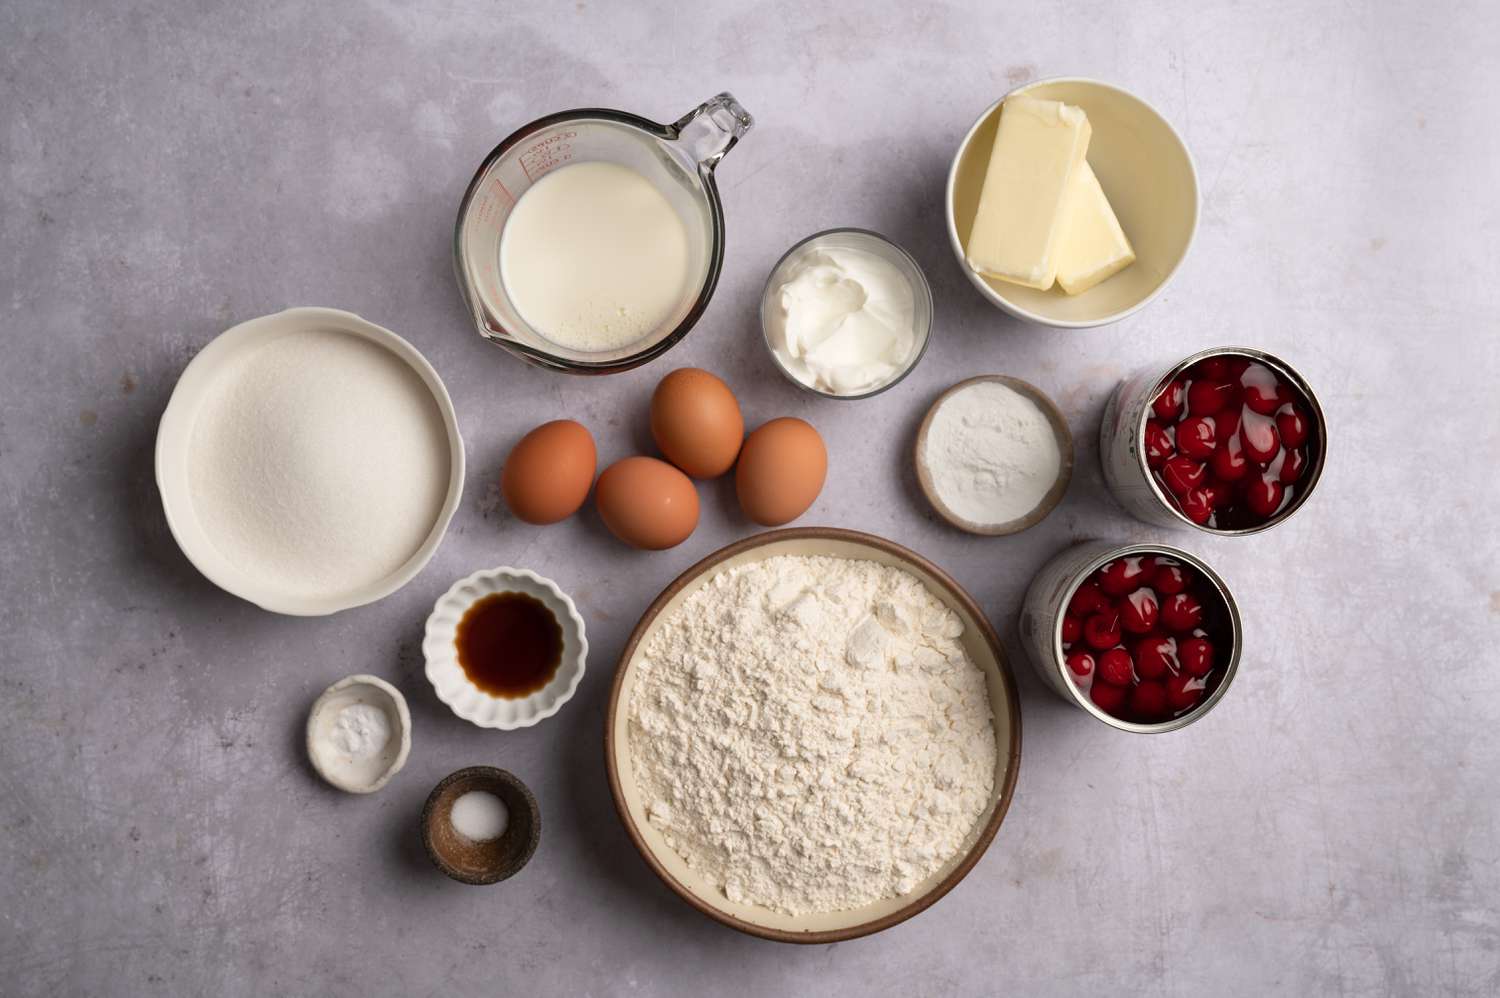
(595, 258)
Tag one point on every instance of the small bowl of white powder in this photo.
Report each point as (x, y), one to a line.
(480, 825)
(359, 733)
(994, 455)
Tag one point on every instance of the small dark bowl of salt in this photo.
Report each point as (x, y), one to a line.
(480, 825)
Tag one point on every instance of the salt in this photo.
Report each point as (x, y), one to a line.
(479, 816)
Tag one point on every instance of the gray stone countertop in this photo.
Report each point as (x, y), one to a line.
(168, 170)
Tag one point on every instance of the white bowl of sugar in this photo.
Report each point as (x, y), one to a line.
(309, 461)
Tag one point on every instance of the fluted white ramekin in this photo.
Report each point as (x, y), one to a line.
(439, 647)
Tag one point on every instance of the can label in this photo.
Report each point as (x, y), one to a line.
(1042, 611)
(1120, 435)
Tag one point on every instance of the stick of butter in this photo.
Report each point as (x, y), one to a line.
(1038, 146)
(1093, 246)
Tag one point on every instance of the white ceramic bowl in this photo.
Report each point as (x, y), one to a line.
(1049, 501)
(979, 640)
(1147, 173)
(174, 436)
(447, 676)
(358, 776)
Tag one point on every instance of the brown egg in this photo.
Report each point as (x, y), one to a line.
(548, 472)
(647, 503)
(696, 422)
(781, 471)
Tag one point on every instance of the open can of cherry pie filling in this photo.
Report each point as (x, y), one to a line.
(1231, 440)
(1145, 637)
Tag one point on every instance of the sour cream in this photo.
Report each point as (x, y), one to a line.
(842, 320)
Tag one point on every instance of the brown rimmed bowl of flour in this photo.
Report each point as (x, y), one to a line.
(994, 455)
(774, 709)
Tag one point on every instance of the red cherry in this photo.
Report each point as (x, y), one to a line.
(1196, 437)
(1218, 495)
(1227, 422)
(1229, 462)
(1169, 577)
(1156, 656)
(1102, 630)
(1216, 368)
(1080, 663)
(1124, 575)
(1258, 433)
(1261, 387)
(1138, 612)
(1148, 701)
(1237, 366)
(1072, 630)
(1086, 600)
(1293, 464)
(1159, 444)
(1207, 397)
(1292, 425)
(1196, 656)
(1264, 496)
(1183, 692)
(1182, 474)
(1168, 404)
(1110, 699)
(1181, 612)
(1115, 667)
(1198, 505)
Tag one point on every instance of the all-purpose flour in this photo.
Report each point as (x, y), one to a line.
(318, 463)
(809, 734)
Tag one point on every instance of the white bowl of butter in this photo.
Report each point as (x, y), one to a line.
(1147, 176)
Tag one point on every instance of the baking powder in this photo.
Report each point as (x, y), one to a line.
(991, 454)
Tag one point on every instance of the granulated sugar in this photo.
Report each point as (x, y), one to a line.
(318, 464)
(809, 734)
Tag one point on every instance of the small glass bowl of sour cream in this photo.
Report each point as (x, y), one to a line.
(846, 314)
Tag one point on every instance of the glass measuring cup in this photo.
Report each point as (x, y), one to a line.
(678, 159)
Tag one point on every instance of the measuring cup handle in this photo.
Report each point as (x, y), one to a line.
(712, 128)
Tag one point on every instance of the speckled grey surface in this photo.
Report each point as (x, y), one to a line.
(166, 172)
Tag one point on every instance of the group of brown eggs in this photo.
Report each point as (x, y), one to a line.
(652, 504)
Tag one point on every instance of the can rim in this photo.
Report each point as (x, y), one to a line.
(1236, 644)
(1281, 367)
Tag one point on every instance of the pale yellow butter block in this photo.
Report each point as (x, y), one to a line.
(1038, 145)
(1093, 246)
